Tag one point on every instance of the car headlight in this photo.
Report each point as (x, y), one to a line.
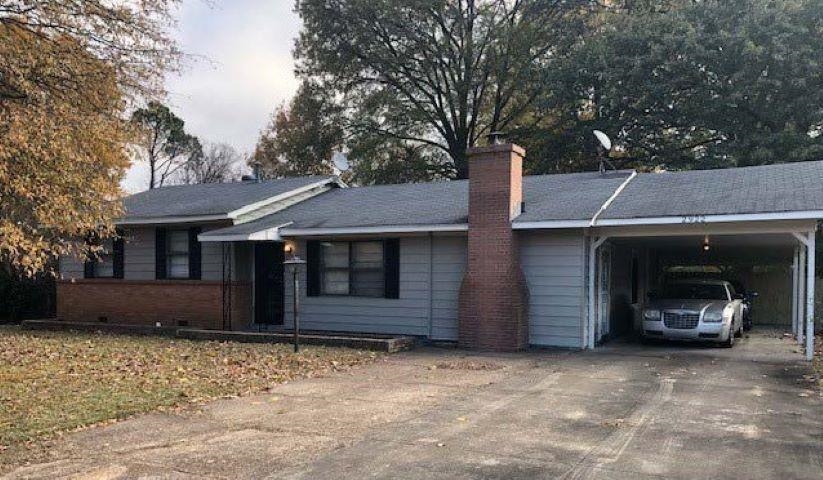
(713, 316)
(652, 315)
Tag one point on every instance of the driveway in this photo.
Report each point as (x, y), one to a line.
(622, 412)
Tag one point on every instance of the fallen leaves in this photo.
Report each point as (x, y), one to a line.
(53, 382)
(465, 364)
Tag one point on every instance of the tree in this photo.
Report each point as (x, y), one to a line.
(301, 137)
(67, 73)
(167, 146)
(439, 73)
(689, 85)
(378, 160)
(216, 163)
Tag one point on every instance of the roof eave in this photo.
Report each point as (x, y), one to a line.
(315, 232)
(171, 219)
(698, 219)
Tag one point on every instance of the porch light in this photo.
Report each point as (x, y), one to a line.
(706, 245)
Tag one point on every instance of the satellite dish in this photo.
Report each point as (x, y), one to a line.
(604, 140)
(340, 161)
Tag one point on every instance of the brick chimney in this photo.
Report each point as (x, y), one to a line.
(494, 296)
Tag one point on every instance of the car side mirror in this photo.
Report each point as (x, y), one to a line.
(738, 296)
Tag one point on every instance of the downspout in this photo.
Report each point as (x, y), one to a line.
(431, 285)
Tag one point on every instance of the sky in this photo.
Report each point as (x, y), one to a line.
(246, 70)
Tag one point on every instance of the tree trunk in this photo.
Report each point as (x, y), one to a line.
(461, 162)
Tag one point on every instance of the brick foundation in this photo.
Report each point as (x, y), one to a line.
(171, 302)
(493, 306)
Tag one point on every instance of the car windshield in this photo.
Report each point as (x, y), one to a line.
(694, 291)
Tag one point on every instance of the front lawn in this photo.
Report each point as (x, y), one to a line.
(51, 382)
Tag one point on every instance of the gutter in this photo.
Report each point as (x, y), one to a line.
(271, 233)
(306, 232)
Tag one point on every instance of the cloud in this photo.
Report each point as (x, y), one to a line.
(247, 71)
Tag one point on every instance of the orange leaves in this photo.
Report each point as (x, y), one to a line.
(62, 156)
(66, 77)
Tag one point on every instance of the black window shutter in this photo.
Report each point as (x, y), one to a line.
(88, 264)
(160, 253)
(313, 268)
(195, 254)
(117, 253)
(391, 267)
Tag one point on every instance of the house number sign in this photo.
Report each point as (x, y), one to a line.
(694, 219)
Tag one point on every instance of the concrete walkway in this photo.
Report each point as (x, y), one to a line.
(622, 412)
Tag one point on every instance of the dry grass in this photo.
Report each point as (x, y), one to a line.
(52, 382)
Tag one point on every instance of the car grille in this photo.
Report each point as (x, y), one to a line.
(681, 321)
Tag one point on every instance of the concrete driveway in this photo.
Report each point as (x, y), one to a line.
(622, 412)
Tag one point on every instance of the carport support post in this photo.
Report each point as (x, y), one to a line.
(810, 271)
(795, 291)
(801, 302)
(594, 244)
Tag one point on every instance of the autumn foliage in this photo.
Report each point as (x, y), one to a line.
(69, 71)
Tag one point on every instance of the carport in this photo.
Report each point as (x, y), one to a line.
(740, 225)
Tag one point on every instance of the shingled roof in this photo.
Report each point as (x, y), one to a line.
(563, 200)
(788, 187)
(573, 197)
(211, 199)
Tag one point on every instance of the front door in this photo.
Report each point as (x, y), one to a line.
(268, 283)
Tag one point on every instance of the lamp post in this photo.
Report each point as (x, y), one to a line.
(295, 263)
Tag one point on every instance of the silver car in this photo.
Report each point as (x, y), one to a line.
(704, 310)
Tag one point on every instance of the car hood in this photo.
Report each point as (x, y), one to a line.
(695, 305)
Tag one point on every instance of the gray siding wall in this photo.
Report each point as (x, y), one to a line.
(449, 257)
(138, 254)
(424, 262)
(71, 268)
(554, 266)
(138, 260)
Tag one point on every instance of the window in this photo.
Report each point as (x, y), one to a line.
(695, 291)
(177, 254)
(107, 260)
(104, 262)
(352, 268)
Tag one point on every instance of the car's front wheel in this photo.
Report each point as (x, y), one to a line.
(729, 343)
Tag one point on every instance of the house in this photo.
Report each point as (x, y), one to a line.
(499, 261)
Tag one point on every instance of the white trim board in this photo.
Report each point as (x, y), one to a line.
(171, 219)
(266, 234)
(701, 219)
(283, 196)
(282, 231)
(614, 196)
(308, 232)
(550, 224)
